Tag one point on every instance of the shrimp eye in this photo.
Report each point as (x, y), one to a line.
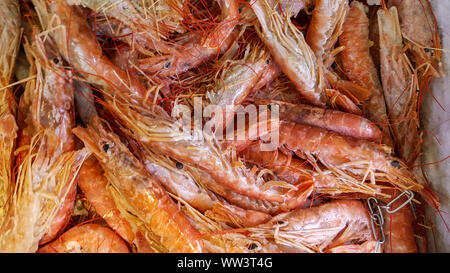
(427, 50)
(105, 147)
(267, 61)
(168, 64)
(280, 222)
(395, 163)
(55, 60)
(179, 165)
(252, 246)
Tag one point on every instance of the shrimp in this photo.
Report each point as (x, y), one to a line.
(100, 195)
(180, 181)
(164, 136)
(359, 66)
(399, 231)
(142, 192)
(356, 156)
(296, 59)
(93, 183)
(238, 81)
(340, 122)
(419, 30)
(197, 51)
(43, 184)
(88, 238)
(318, 228)
(9, 43)
(399, 86)
(49, 104)
(79, 47)
(290, 51)
(326, 26)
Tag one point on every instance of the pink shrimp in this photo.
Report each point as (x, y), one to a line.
(145, 195)
(88, 238)
(318, 228)
(340, 122)
(359, 66)
(337, 151)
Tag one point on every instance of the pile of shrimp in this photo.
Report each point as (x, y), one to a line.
(93, 157)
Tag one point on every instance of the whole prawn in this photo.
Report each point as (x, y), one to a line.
(360, 68)
(142, 192)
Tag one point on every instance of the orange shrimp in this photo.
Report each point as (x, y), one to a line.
(419, 30)
(80, 48)
(142, 192)
(10, 36)
(88, 238)
(93, 183)
(356, 156)
(398, 229)
(197, 51)
(400, 84)
(182, 181)
(326, 26)
(318, 228)
(340, 122)
(296, 59)
(359, 66)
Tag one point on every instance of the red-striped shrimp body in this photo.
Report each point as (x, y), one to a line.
(88, 238)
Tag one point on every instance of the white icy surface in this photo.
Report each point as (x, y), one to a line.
(436, 121)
